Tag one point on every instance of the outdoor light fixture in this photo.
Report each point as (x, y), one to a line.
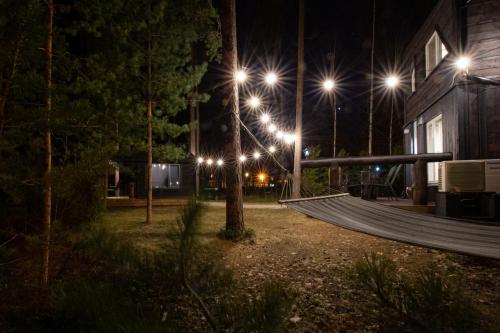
(254, 102)
(392, 81)
(256, 155)
(272, 149)
(289, 138)
(247, 174)
(272, 128)
(262, 177)
(220, 162)
(328, 84)
(210, 161)
(200, 160)
(243, 158)
(279, 135)
(265, 118)
(463, 63)
(240, 76)
(271, 78)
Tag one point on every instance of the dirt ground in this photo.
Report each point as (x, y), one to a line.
(315, 260)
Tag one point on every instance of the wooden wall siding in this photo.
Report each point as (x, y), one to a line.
(489, 102)
(444, 20)
(483, 37)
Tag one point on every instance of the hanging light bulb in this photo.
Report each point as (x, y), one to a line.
(220, 162)
(256, 155)
(279, 134)
(243, 158)
(265, 118)
(254, 102)
(210, 161)
(200, 160)
(272, 149)
(272, 128)
(240, 76)
(271, 78)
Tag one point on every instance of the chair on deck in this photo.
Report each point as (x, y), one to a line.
(368, 187)
(387, 185)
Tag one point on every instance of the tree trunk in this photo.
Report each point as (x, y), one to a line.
(7, 84)
(47, 193)
(232, 142)
(370, 120)
(298, 106)
(149, 166)
(390, 123)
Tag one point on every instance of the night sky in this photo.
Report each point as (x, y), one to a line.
(339, 30)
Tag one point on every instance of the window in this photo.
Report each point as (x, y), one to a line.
(414, 139)
(413, 80)
(434, 132)
(435, 51)
(166, 176)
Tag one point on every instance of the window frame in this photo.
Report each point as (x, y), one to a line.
(168, 176)
(440, 52)
(430, 131)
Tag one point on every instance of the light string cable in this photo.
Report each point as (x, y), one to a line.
(254, 138)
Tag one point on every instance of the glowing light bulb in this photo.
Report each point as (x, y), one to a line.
(254, 102)
(271, 78)
(272, 128)
(220, 162)
(200, 160)
(392, 81)
(247, 174)
(289, 138)
(265, 118)
(210, 161)
(463, 63)
(256, 155)
(240, 76)
(279, 135)
(328, 84)
(243, 158)
(272, 149)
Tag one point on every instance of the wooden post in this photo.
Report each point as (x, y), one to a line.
(420, 182)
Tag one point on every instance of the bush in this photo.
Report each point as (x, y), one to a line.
(431, 302)
(79, 189)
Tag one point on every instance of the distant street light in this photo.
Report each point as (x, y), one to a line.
(271, 78)
(240, 76)
(328, 84)
(392, 82)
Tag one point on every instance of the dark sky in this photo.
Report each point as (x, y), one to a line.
(267, 39)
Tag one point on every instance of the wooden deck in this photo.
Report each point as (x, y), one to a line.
(407, 204)
(127, 202)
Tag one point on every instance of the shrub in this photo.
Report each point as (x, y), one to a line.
(430, 302)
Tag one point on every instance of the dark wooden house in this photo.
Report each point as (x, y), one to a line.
(452, 102)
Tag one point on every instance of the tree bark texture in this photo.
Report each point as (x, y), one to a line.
(299, 106)
(149, 105)
(232, 142)
(47, 191)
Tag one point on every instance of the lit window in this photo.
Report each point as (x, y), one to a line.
(434, 135)
(166, 176)
(435, 51)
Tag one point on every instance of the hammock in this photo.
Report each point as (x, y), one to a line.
(343, 210)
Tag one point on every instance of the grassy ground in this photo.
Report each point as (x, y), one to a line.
(315, 259)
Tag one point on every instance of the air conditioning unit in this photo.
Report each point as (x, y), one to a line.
(469, 176)
(492, 176)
